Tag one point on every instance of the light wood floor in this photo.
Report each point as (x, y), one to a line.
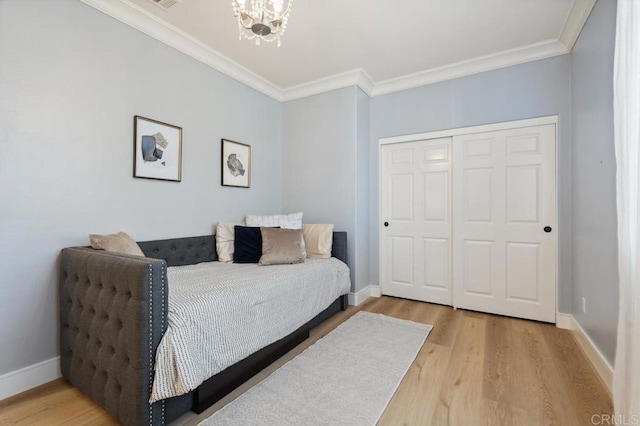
(474, 369)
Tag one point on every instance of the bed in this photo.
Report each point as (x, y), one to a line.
(115, 311)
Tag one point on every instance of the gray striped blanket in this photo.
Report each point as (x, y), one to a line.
(220, 313)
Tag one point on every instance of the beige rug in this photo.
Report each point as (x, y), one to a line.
(346, 378)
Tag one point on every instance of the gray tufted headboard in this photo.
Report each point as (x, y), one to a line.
(191, 250)
(182, 251)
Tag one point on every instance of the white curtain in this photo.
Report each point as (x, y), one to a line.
(626, 387)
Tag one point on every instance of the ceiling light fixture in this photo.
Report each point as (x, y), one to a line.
(262, 19)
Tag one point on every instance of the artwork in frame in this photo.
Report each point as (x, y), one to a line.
(157, 150)
(236, 164)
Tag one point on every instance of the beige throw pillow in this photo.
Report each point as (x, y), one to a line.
(318, 240)
(281, 246)
(117, 243)
(225, 238)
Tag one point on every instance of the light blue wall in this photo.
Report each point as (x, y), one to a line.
(363, 115)
(595, 261)
(530, 90)
(326, 168)
(319, 165)
(71, 80)
(319, 173)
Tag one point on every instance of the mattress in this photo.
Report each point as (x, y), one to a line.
(220, 313)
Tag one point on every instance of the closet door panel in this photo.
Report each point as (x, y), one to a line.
(436, 263)
(503, 197)
(415, 258)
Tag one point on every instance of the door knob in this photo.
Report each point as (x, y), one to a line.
(547, 229)
(386, 224)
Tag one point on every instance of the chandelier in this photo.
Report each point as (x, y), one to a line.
(262, 19)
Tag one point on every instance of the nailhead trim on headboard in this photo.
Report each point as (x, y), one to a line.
(163, 274)
(150, 340)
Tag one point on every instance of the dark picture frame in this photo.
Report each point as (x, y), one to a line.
(235, 164)
(157, 150)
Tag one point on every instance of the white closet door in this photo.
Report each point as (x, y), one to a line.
(415, 227)
(504, 197)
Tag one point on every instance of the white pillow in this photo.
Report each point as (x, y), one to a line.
(285, 221)
(318, 240)
(225, 240)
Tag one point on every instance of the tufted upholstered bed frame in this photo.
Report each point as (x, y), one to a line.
(113, 313)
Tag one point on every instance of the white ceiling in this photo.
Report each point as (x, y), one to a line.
(381, 45)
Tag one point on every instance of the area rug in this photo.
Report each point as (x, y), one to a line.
(346, 378)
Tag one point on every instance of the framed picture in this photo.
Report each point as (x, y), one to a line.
(236, 164)
(157, 150)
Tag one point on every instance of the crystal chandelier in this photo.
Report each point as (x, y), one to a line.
(262, 19)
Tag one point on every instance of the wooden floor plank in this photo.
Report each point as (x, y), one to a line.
(446, 326)
(501, 377)
(588, 396)
(461, 393)
(511, 378)
(474, 369)
(416, 398)
(546, 388)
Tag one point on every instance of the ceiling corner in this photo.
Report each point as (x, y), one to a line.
(576, 19)
(365, 82)
(355, 77)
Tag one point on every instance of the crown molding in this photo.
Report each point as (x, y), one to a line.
(495, 61)
(357, 77)
(365, 82)
(575, 21)
(131, 14)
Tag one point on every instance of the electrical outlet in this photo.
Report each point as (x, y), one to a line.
(584, 305)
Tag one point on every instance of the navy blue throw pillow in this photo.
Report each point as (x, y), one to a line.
(248, 244)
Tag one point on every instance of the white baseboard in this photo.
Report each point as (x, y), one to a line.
(565, 321)
(375, 291)
(597, 359)
(29, 377)
(369, 291)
